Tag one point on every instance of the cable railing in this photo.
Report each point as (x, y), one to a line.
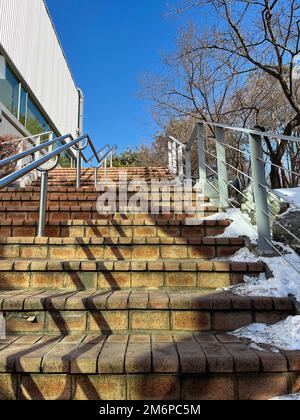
(255, 159)
(20, 144)
(38, 163)
(34, 136)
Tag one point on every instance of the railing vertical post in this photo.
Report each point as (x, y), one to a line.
(170, 156)
(201, 152)
(111, 160)
(43, 204)
(180, 162)
(260, 194)
(105, 167)
(51, 136)
(188, 164)
(78, 168)
(174, 155)
(38, 142)
(222, 168)
(96, 177)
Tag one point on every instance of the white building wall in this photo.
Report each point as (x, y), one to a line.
(30, 41)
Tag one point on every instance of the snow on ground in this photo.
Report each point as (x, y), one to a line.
(241, 224)
(284, 335)
(292, 397)
(285, 280)
(290, 195)
(2, 327)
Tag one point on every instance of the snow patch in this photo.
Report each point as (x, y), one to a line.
(290, 195)
(284, 335)
(291, 397)
(285, 271)
(240, 224)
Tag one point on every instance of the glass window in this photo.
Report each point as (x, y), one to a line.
(9, 91)
(35, 122)
(23, 106)
(65, 160)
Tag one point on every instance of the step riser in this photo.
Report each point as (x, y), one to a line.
(113, 231)
(54, 216)
(83, 190)
(118, 252)
(110, 180)
(25, 197)
(173, 387)
(135, 321)
(78, 280)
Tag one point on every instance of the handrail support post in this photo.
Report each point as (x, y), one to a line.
(105, 167)
(43, 204)
(174, 158)
(180, 162)
(201, 153)
(188, 165)
(78, 168)
(222, 169)
(260, 194)
(96, 177)
(171, 156)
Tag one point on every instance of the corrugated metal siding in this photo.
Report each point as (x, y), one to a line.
(28, 37)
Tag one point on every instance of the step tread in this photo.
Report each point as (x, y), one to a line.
(122, 241)
(185, 265)
(122, 222)
(136, 354)
(153, 299)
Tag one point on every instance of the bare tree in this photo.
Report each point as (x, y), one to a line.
(264, 36)
(198, 84)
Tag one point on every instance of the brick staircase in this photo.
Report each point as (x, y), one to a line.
(126, 307)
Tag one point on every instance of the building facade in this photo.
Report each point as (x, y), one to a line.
(37, 91)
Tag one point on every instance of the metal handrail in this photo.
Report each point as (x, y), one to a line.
(98, 153)
(32, 151)
(256, 160)
(175, 155)
(28, 138)
(9, 179)
(75, 144)
(104, 162)
(252, 132)
(177, 142)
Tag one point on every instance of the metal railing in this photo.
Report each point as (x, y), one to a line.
(79, 145)
(256, 159)
(106, 152)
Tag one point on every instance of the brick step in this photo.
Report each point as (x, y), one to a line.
(90, 181)
(65, 213)
(121, 228)
(119, 248)
(116, 275)
(110, 178)
(81, 190)
(114, 171)
(92, 201)
(92, 207)
(112, 174)
(59, 311)
(151, 367)
(25, 195)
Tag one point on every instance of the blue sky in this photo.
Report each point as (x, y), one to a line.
(109, 45)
